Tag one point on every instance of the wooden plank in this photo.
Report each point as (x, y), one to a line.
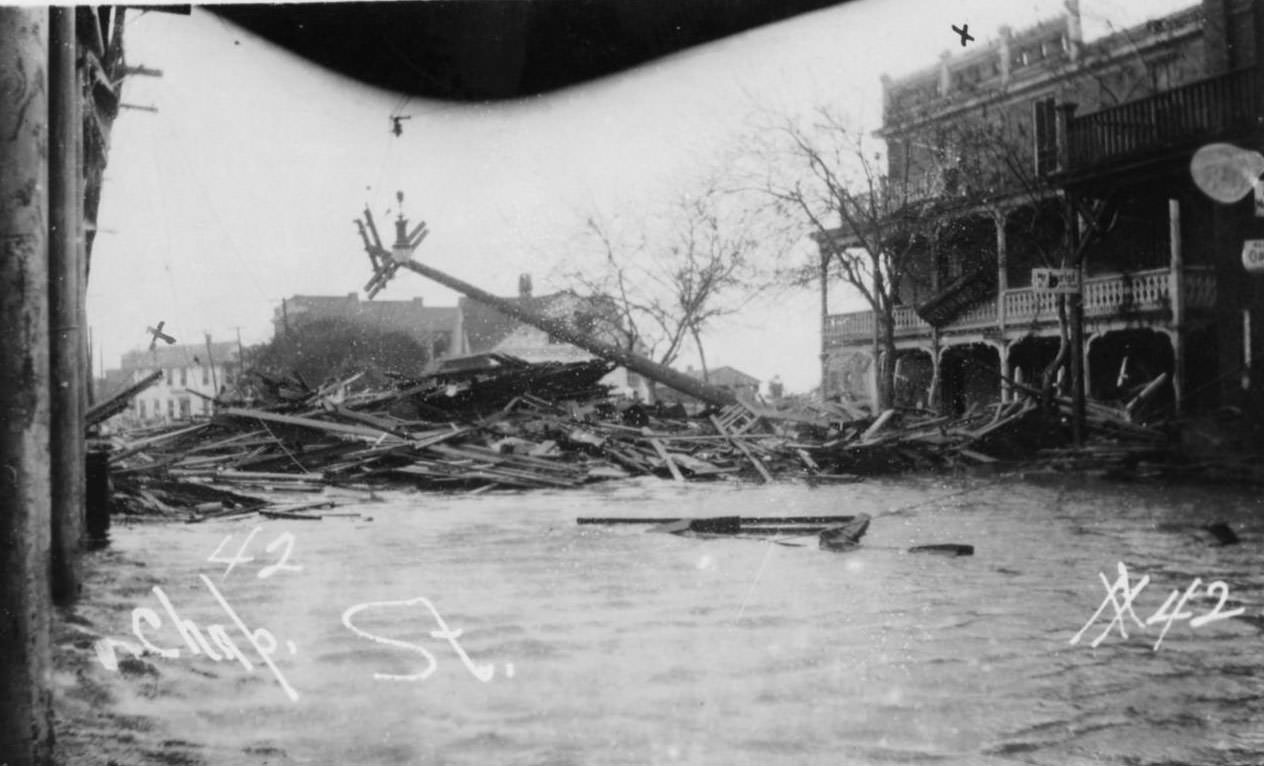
(877, 425)
(662, 453)
(759, 466)
(312, 423)
(745, 520)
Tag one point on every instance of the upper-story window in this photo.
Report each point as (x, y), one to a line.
(206, 375)
(170, 375)
(184, 376)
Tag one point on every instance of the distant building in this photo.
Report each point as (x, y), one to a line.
(192, 375)
(484, 329)
(472, 327)
(434, 327)
(743, 386)
(1102, 133)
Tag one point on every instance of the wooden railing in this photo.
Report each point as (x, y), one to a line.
(1199, 111)
(1143, 292)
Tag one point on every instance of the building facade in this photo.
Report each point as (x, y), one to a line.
(1042, 151)
(437, 328)
(193, 375)
(471, 328)
(484, 329)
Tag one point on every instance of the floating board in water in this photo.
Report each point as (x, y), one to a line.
(738, 526)
(823, 521)
(845, 537)
(944, 549)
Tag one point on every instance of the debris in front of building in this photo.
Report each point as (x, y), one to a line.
(514, 425)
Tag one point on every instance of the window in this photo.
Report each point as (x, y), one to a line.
(170, 375)
(1046, 135)
(186, 407)
(184, 376)
(140, 408)
(171, 408)
(206, 375)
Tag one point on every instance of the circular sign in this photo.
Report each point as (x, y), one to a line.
(1225, 172)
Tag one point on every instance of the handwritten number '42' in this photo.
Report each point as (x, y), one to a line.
(1174, 614)
(285, 540)
(1215, 588)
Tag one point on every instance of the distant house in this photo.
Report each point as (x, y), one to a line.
(484, 330)
(192, 375)
(743, 386)
(434, 327)
(472, 328)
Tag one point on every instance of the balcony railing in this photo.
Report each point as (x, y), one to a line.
(1143, 293)
(1202, 110)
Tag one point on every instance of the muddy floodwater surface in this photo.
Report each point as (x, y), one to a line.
(494, 630)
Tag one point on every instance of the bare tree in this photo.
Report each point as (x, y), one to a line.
(991, 160)
(672, 275)
(867, 227)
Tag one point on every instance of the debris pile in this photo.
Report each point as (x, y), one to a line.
(503, 423)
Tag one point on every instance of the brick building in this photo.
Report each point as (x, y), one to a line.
(1036, 146)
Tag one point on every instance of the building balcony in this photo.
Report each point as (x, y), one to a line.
(1139, 295)
(1215, 108)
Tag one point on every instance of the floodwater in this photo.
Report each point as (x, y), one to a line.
(612, 645)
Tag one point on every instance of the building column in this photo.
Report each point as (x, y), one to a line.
(26, 732)
(1086, 365)
(1002, 268)
(1176, 294)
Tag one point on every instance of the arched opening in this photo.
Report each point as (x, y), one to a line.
(849, 376)
(1121, 363)
(969, 376)
(1029, 357)
(914, 371)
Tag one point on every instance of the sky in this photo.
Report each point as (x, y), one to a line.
(242, 188)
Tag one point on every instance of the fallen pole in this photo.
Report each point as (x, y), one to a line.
(385, 263)
(120, 401)
(660, 373)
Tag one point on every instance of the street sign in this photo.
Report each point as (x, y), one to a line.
(1253, 255)
(1056, 281)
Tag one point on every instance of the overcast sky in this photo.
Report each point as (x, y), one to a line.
(242, 188)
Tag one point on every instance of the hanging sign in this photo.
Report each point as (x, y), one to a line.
(1253, 255)
(1056, 281)
(1259, 197)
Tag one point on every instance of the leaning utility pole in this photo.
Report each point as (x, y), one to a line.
(25, 523)
(386, 262)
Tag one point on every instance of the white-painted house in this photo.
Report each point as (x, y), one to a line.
(192, 375)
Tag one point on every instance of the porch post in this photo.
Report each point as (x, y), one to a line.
(1002, 284)
(1002, 268)
(1176, 294)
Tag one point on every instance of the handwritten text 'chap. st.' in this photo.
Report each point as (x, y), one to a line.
(248, 646)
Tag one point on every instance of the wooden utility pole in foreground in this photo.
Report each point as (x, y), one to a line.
(25, 523)
(65, 305)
